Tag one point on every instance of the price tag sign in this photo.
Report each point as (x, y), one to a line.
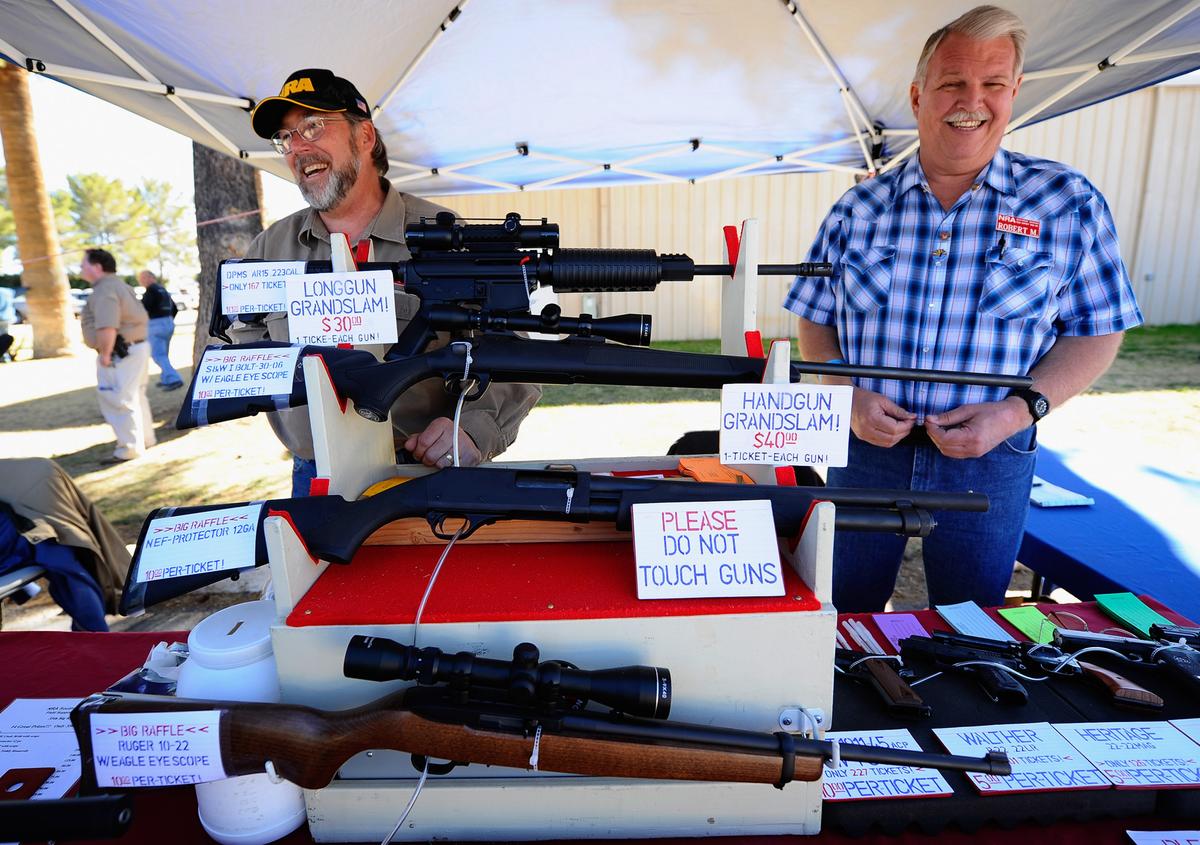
(156, 749)
(1137, 755)
(226, 373)
(256, 287)
(195, 543)
(331, 308)
(703, 549)
(1041, 759)
(868, 781)
(785, 424)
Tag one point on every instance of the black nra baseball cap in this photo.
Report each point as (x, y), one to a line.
(313, 88)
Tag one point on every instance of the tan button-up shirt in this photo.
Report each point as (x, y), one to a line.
(491, 421)
(113, 305)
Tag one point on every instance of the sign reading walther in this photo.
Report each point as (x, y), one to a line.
(785, 424)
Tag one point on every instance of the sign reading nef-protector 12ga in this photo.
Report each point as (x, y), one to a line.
(785, 424)
(194, 543)
(688, 550)
(330, 308)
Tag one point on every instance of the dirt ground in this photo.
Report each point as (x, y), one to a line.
(1150, 403)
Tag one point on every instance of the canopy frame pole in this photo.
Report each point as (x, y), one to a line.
(113, 47)
(450, 18)
(1152, 56)
(36, 65)
(1110, 61)
(854, 106)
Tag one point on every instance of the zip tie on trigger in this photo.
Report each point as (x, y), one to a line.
(537, 746)
(835, 759)
(273, 775)
(525, 278)
(462, 396)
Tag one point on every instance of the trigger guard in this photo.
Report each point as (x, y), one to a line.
(479, 384)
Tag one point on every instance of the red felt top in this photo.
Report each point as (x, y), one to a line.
(507, 582)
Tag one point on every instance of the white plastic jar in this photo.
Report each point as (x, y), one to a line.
(230, 658)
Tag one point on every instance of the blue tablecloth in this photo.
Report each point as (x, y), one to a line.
(1142, 535)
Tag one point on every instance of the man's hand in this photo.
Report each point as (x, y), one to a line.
(969, 431)
(878, 420)
(434, 446)
(105, 359)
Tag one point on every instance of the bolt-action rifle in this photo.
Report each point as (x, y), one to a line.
(374, 386)
(463, 724)
(996, 664)
(333, 528)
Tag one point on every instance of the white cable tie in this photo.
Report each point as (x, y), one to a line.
(273, 775)
(835, 759)
(537, 747)
(462, 398)
(411, 801)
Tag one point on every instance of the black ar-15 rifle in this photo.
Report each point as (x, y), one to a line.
(333, 528)
(520, 724)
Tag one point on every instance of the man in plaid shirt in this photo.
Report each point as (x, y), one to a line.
(966, 257)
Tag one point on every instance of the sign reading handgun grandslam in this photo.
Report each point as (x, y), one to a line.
(326, 309)
(785, 424)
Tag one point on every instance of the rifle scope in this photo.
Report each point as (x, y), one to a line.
(445, 233)
(631, 329)
(637, 690)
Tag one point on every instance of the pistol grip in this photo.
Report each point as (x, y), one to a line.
(1000, 686)
(1125, 693)
(1184, 665)
(902, 700)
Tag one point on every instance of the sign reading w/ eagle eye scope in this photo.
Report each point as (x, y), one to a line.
(785, 424)
(357, 308)
(196, 543)
(226, 373)
(688, 550)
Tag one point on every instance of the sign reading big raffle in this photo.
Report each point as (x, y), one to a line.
(195, 543)
(156, 749)
(225, 373)
(687, 550)
(792, 424)
(256, 287)
(331, 308)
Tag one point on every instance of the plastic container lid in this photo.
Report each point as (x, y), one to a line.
(235, 636)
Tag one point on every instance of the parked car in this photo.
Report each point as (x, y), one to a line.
(78, 298)
(21, 307)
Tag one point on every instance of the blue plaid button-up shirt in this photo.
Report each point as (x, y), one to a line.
(914, 285)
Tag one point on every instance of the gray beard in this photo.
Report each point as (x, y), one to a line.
(336, 188)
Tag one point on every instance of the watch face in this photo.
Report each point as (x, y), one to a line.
(1041, 406)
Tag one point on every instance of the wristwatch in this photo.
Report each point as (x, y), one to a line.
(1038, 404)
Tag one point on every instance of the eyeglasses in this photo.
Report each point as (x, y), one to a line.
(310, 129)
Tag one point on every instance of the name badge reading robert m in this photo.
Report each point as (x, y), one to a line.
(785, 424)
(256, 287)
(195, 543)
(357, 308)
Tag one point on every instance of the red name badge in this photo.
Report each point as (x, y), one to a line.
(1018, 225)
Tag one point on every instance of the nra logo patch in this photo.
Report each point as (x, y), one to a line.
(295, 86)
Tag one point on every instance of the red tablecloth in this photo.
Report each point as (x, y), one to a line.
(54, 664)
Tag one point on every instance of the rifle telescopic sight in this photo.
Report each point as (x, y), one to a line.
(637, 690)
(446, 233)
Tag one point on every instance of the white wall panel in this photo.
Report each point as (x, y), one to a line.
(1135, 149)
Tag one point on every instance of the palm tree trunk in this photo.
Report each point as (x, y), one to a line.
(224, 187)
(37, 238)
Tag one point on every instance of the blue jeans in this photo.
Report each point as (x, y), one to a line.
(969, 556)
(303, 472)
(159, 334)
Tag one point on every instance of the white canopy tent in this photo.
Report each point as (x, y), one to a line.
(507, 95)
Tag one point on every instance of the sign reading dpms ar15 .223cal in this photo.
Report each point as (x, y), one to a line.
(785, 424)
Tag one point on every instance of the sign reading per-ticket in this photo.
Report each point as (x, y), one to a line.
(156, 749)
(226, 373)
(195, 543)
(688, 550)
(256, 287)
(785, 424)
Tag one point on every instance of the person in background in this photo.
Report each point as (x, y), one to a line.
(966, 257)
(161, 310)
(322, 126)
(8, 315)
(114, 324)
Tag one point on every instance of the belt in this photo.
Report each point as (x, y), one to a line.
(134, 342)
(919, 436)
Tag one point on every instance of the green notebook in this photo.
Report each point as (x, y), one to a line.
(1131, 612)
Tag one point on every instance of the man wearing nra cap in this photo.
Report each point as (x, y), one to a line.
(322, 126)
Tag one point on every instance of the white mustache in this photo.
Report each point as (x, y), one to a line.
(961, 115)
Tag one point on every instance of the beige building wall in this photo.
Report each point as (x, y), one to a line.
(1135, 148)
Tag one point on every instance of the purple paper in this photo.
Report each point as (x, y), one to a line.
(897, 626)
